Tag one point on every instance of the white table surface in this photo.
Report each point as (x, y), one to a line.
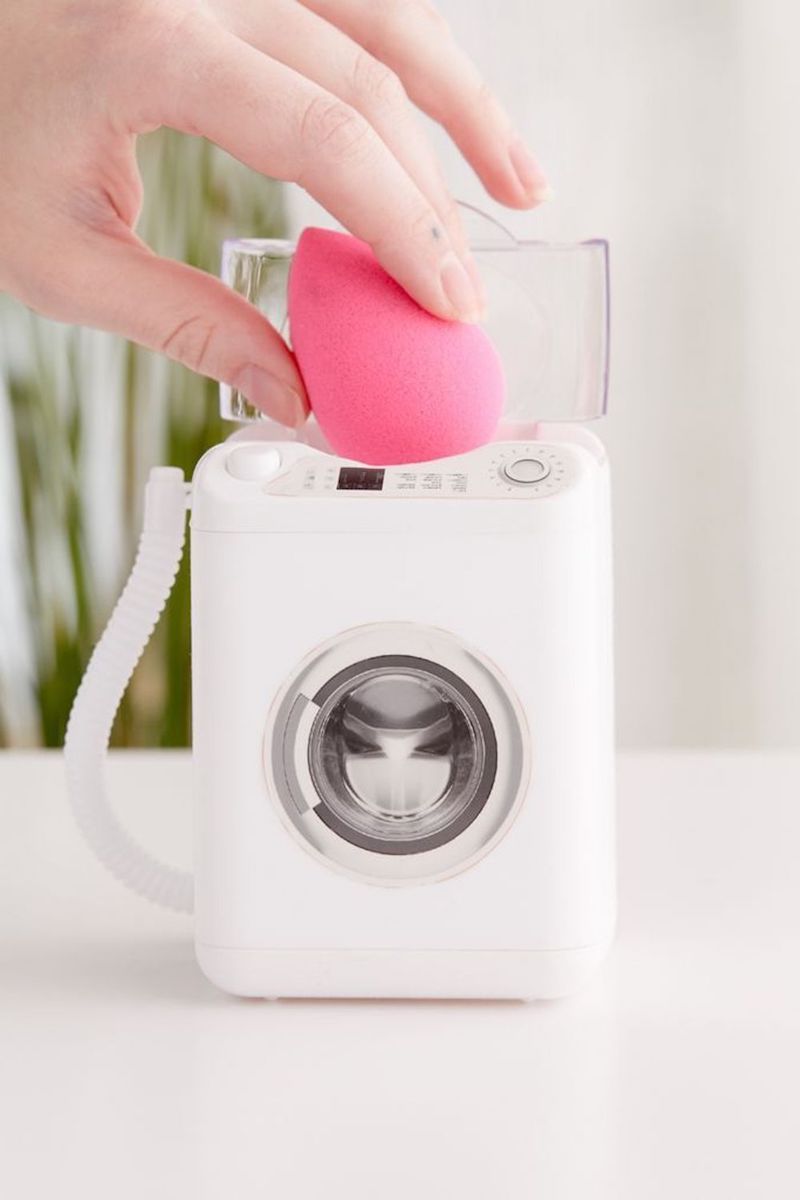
(675, 1075)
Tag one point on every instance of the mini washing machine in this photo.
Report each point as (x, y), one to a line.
(402, 679)
(402, 720)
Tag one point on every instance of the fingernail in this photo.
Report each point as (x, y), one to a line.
(545, 193)
(530, 175)
(460, 290)
(274, 397)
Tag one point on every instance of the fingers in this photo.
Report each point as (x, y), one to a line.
(412, 38)
(117, 284)
(282, 124)
(298, 38)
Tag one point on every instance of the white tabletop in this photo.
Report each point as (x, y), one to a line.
(675, 1075)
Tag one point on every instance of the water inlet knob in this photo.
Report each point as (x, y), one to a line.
(525, 471)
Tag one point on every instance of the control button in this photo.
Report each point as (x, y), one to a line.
(253, 464)
(526, 470)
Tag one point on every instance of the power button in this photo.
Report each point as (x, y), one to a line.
(526, 470)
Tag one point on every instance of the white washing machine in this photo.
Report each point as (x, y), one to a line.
(403, 720)
(402, 679)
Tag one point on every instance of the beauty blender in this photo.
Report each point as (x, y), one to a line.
(387, 381)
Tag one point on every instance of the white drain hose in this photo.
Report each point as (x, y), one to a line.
(104, 684)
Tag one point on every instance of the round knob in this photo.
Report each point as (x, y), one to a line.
(253, 464)
(526, 471)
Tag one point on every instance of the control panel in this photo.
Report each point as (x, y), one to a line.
(516, 470)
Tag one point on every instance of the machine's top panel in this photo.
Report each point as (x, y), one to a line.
(514, 470)
(258, 484)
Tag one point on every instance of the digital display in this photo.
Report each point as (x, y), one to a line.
(360, 479)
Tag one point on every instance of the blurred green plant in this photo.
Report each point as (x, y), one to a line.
(86, 415)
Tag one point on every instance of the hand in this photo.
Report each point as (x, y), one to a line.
(317, 92)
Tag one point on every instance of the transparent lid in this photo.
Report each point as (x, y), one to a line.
(547, 315)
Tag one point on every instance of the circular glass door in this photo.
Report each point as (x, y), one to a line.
(396, 766)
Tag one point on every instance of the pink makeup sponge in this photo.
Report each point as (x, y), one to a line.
(387, 382)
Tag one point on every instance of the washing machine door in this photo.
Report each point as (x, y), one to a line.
(397, 753)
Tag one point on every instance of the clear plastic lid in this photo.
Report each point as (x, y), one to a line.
(548, 314)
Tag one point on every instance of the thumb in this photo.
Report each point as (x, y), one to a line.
(190, 316)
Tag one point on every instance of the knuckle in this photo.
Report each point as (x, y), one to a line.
(334, 129)
(374, 84)
(189, 341)
(131, 34)
(151, 25)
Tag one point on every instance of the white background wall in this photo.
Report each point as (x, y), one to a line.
(671, 127)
